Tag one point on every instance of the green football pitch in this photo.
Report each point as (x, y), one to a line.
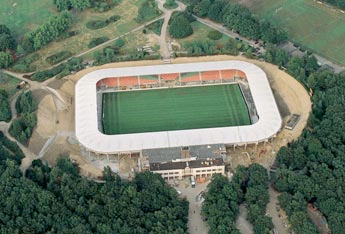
(174, 109)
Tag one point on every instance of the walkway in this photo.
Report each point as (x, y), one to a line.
(164, 47)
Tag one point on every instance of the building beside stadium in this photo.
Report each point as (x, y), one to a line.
(162, 151)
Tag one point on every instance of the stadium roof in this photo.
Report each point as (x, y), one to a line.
(91, 138)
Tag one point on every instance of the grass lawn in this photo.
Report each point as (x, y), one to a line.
(315, 26)
(9, 83)
(174, 109)
(132, 41)
(25, 15)
(200, 32)
(77, 44)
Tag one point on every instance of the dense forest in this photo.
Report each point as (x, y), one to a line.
(222, 199)
(58, 200)
(311, 168)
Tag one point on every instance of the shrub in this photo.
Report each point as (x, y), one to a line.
(147, 11)
(170, 4)
(58, 57)
(97, 41)
(24, 64)
(119, 42)
(97, 24)
(214, 35)
(46, 74)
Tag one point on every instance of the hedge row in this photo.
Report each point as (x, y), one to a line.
(97, 24)
(58, 57)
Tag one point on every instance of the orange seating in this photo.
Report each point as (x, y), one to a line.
(210, 75)
(231, 73)
(241, 74)
(228, 74)
(170, 76)
(129, 81)
(144, 81)
(110, 82)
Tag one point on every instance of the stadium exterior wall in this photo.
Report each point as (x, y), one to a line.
(86, 122)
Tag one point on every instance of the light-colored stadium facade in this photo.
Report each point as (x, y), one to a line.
(86, 108)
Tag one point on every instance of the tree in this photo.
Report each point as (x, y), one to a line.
(7, 42)
(5, 109)
(5, 59)
(80, 4)
(180, 27)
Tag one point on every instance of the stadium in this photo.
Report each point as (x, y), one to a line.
(138, 109)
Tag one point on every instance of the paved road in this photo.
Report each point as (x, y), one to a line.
(164, 47)
(195, 223)
(242, 224)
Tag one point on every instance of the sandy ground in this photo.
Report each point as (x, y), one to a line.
(290, 95)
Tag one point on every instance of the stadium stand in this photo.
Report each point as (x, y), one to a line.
(228, 74)
(190, 77)
(170, 76)
(109, 82)
(210, 76)
(129, 81)
(240, 74)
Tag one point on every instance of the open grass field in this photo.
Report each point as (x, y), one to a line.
(79, 43)
(315, 26)
(24, 15)
(174, 109)
(200, 32)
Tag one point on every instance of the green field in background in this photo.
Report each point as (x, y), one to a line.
(317, 27)
(174, 109)
(25, 15)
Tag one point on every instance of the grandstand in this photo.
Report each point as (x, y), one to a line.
(251, 78)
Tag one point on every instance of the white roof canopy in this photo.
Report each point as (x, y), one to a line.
(90, 137)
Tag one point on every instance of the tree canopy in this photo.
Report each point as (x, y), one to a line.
(222, 199)
(237, 18)
(58, 200)
(180, 27)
